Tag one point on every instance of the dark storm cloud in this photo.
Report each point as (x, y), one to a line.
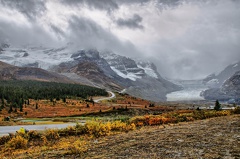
(20, 35)
(159, 3)
(187, 39)
(85, 33)
(132, 1)
(111, 5)
(30, 8)
(108, 5)
(132, 23)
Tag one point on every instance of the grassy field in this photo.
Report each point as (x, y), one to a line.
(210, 138)
(170, 135)
(124, 127)
(123, 106)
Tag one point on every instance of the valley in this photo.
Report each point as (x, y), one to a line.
(191, 91)
(87, 101)
(124, 79)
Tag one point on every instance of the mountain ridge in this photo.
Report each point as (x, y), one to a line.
(10, 72)
(91, 67)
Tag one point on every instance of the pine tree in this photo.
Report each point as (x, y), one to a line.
(87, 106)
(10, 109)
(21, 107)
(64, 99)
(217, 105)
(2, 106)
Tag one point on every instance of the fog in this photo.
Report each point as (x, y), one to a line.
(186, 39)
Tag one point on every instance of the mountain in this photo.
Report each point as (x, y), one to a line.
(32, 56)
(9, 72)
(229, 91)
(91, 67)
(215, 81)
(232, 85)
(146, 82)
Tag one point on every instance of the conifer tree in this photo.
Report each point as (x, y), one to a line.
(217, 105)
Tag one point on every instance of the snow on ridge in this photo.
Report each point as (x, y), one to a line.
(213, 81)
(45, 57)
(149, 71)
(131, 76)
(235, 65)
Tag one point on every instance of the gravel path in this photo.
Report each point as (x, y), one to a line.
(106, 98)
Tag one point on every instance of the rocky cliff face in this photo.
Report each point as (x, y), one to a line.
(225, 85)
(232, 86)
(146, 82)
(215, 81)
(229, 91)
(123, 66)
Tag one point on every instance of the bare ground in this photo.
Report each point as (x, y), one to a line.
(210, 138)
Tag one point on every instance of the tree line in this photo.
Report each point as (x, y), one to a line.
(15, 93)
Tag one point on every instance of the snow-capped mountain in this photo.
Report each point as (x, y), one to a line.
(149, 68)
(215, 81)
(105, 69)
(123, 66)
(40, 57)
(146, 82)
(229, 91)
(224, 86)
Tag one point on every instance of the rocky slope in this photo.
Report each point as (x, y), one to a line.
(146, 81)
(9, 72)
(215, 81)
(229, 91)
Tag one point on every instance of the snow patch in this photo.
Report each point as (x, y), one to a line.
(130, 76)
(149, 71)
(213, 81)
(43, 56)
(235, 65)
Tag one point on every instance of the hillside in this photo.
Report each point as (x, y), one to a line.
(216, 80)
(229, 91)
(210, 138)
(10, 72)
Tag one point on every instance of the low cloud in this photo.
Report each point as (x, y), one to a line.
(186, 39)
(132, 23)
(86, 33)
(108, 5)
(30, 8)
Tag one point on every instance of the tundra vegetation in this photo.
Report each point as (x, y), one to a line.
(64, 102)
(75, 140)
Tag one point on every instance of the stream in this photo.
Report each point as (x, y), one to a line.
(5, 130)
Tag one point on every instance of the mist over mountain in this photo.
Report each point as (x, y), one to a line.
(225, 85)
(10, 72)
(186, 39)
(106, 69)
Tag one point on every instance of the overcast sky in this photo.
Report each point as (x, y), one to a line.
(186, 39)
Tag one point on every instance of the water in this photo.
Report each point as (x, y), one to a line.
(191, 91)
(4, 130)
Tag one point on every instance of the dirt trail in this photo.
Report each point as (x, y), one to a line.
(211, 138)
